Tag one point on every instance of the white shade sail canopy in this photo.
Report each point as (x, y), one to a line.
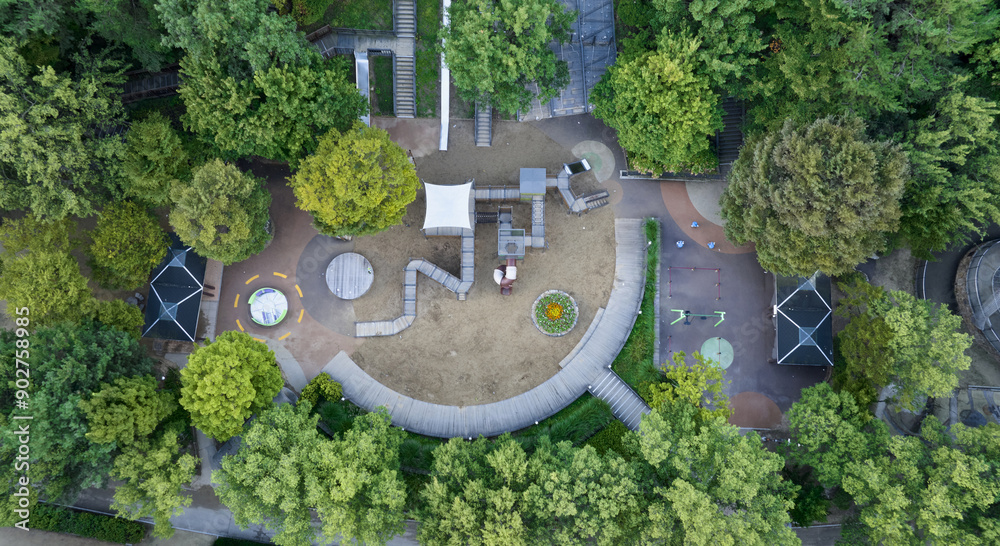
(448, 206)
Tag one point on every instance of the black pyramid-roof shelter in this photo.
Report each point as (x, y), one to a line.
(803, 320)
(175, 294)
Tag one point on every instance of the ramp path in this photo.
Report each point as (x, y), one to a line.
(587, 367)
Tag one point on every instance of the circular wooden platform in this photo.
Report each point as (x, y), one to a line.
(349, 276)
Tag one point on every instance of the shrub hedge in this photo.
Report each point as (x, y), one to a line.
(46, 517)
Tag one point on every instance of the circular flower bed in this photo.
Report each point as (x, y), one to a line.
(555, 313)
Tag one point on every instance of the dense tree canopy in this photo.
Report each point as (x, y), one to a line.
(815, 197)
(358, 183)
(39, 273)
(55, 158)
(126, 411)
(495, 48)
(829, 430)
(242, 36)
(706, 484)
(662, 106)
(276, 113)
(154, 160)
(729, 36)
(285, 469)
(932, 488)
(222, 212)
(266, 481)
(226, 380)
(872, 58)
(155, 474)
(955, 187)
(67, 363)
(492, 492)
(126, 246)
(359, 491)
(893, 337)
(252, 84)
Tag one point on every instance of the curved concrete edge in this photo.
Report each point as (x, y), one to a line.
(525, 409)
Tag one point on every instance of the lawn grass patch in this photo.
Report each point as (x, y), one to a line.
(362, 14)
(634, 364)
(428, 65)
(382, 67)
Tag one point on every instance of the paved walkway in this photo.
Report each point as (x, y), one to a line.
(589, 364)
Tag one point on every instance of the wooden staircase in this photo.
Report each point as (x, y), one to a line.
(625, 404)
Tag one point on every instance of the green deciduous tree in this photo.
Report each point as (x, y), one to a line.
(120, 315)
(227, 380)
(222, 213)
(492, 492)
(133, 23)
(323, 387)
(893, 337)
(706, 484)
(476, 494)
(54, 158)
(815, 197)
(284, 469)
(252, 84)
(276, 113)
(67, 362)
(359, 491)
(154, 160)
(872, 58)
(126, 246)
(728, 32)
(267, 480)
(699, 384)
(244, 35)
(829, 429)
(494, 48)
(39, 273)
(154, 472)
(127, 411)
(358, 183)
(955, 187)
(586, 498)
(662, 107)
(928, 489)
(47, 283)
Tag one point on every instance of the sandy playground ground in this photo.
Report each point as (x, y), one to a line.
(484, 349)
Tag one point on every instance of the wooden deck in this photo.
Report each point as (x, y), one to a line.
(349, 276)
(587, 369)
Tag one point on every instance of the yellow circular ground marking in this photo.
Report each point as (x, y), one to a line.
(236, 304)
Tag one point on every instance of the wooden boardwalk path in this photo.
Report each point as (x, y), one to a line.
(586, 369)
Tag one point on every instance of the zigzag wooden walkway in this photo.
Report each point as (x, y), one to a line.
(460, 286)
(587, 366)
